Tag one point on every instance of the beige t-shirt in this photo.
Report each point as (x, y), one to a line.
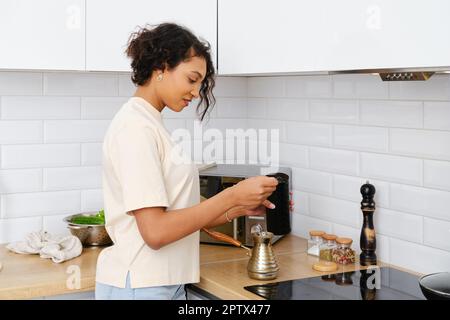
(142, 167)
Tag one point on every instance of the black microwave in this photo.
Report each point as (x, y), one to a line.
(278, 221)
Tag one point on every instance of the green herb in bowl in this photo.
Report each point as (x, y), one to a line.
(98, 219)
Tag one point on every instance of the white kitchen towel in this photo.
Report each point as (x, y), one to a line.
(57, 248)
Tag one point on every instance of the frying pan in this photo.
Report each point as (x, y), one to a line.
(436, 286)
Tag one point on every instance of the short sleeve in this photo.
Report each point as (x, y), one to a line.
(137, 162)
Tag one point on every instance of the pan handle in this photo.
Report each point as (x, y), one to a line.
(222, 237)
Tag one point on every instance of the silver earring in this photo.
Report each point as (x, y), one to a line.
(159, 77)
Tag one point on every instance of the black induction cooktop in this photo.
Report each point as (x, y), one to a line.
(373, 284)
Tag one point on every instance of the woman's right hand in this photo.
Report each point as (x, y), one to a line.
(253, 191)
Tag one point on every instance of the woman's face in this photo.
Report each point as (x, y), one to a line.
(182, 84)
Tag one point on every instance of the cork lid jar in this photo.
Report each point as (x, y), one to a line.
(329, 237)
(325, 249)
(314, 241)
(343, 254)
(316, 233)
(344, 242)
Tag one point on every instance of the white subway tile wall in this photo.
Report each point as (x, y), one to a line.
(91, 200)
(334, 210)
(294, 155)
(437, 115)
(41, 107)
(348, 188)
(333, 160)
(388, 113)
(301, 224)
(437, 174)
(347, 129)
(350, 232)
(81, 84)
(359, 86)
(309, 133)
(336, 132)
(52, 126)
(304, 87)
(361, 138)
(334, 111)
(286, 109)
(91, 154)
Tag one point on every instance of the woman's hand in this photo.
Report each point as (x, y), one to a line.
(291, 203)
(253, 211)
(252, 192)
(257, 211)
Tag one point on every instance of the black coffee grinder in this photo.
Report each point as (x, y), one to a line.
(279, 219)
(368, 241)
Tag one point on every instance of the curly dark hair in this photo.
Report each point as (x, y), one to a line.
(169, 44)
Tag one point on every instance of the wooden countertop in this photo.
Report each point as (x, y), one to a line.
(223, 271)
(29, 276)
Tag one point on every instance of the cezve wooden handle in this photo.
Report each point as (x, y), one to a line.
(222, 237)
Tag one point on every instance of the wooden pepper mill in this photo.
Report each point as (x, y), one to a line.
(368, 242)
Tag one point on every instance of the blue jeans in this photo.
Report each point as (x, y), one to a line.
(107, 292)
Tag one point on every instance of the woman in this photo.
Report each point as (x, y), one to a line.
(151, 192)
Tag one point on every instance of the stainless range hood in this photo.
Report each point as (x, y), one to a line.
(405, 76)
(400, 74)
(385, 74)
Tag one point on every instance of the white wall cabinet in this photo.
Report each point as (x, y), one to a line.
(285, 36)
(42, 34)
(254, 36)
(110, 23)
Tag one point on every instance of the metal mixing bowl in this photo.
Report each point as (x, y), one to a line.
(89, 234)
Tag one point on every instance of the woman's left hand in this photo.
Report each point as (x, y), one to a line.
(291, 202)
(260, 210)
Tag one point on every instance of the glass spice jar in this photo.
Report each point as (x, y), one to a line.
(327, 246)
(314, 242)
(343, 253)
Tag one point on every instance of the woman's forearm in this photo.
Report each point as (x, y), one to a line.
(232, 214)
(159, 227)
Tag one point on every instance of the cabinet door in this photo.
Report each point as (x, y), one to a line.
(42, 34)
(110, 23)
(284, 36)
